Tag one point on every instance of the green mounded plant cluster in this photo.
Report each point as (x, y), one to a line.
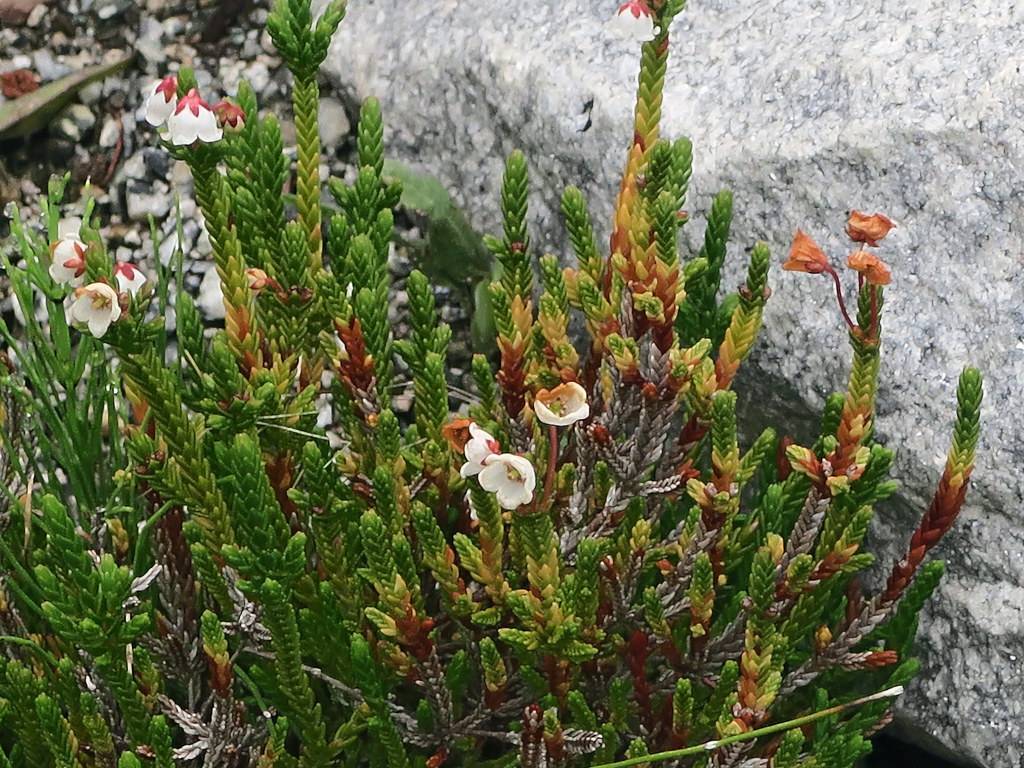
(583, 567)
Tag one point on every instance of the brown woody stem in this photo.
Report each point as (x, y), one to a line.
(839, 297)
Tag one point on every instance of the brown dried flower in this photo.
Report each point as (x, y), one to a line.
(875, 270)
(806, 255)
(868, 229)
(456, 432)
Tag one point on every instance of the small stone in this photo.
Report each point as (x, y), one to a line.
(180, 174)
(174, 26)
(91, 94)
(144, 201)
(151, 50)
(230, 71)
(258, 76)
(46, 66)
(200, 268)
(169, 244)
(324, 415)
(150, 41)
(334, 123)
(66, 128)
(251, 47)
(134, 167)
(81, 116)
(110, 134)
(29, 188)
(112, 8)
(203, 245)
(157, 161)
(267, 43)
(35, 18)
(167, 248)
(211, 297)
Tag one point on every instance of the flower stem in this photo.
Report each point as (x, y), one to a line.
(711, 746)
(839, 296)
(549, 477)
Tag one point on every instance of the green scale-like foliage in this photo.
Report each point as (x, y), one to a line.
(196, 570)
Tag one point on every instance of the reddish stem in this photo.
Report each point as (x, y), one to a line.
(839, 296)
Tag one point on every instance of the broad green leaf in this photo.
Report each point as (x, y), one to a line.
(482, 325)
(420, 191)
(454, 252)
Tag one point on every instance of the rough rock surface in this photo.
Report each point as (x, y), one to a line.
(805, 110)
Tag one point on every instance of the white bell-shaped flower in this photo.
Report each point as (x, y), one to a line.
(634, 21)
(564, 405)
(510, 478)
(129, 278)
(67, 254)
(479, 448)
(193, 120)
(96, 305)
(161, 100)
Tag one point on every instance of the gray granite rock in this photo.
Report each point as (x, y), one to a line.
(805, 110)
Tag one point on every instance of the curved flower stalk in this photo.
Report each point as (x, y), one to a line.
(589, 564)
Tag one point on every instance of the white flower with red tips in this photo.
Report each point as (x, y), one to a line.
(479, 448)
(161, 100)
(510, 478)
(634, 21)
(67, 254)
(97, 306)
(129, 278)
(193, 120)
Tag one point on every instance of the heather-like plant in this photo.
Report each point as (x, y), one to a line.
(585, 567)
